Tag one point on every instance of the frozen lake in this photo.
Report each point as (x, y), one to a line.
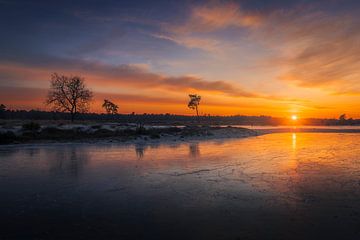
(275, 186)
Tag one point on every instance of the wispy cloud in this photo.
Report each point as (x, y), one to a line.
(311, 50)
(317, 49)
(206, 44)
(212, 17)
(33, 98)
(205, 19)
(313, 46)
(135, 76)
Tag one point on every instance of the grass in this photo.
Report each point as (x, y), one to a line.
(32, 132)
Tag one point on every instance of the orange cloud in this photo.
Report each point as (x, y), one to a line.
(207, 18)
(316, 49)
(34, 98)
(100, 75)
(314, 54)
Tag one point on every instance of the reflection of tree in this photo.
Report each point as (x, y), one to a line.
(194, 150)
(32, 151)
(68, 161)
(139, 150)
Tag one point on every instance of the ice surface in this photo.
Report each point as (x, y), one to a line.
(276, 186)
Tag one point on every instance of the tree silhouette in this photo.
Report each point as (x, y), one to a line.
(69, 94)
(110, 108)
(342, 117)
(194, 102)
(2, 108)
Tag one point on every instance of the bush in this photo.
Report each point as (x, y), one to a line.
(154, 136)
(103, 133)
(31, 126)
(171, 130)
(141, 130)
(54, 133)
(128, 132)
(7, 137)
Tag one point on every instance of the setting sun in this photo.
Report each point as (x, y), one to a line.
(294, 117)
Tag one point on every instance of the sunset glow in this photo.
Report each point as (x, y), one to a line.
(168, 119)
(243, 57)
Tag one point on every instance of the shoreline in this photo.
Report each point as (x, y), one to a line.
(132, 134)
(119, 134)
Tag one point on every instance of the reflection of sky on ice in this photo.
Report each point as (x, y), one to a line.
(285, 180)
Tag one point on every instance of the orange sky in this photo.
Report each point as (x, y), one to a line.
(299, 59)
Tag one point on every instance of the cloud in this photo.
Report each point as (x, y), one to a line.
(317, 48)
(101, 74)
(312, 46)
(204, 20)
(31, 98)
(206, 44)
(28, 98)
(212, 17)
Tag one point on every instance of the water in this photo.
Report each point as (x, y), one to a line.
(275, 186)
(304, 127)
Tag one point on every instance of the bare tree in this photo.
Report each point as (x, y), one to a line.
(69, 94)
(194, 102)
(110, 108)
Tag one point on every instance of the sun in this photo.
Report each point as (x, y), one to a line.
(294, 117)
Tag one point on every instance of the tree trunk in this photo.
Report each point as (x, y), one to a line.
(72, 116)
(197, 114)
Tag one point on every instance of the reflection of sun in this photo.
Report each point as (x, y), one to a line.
(294, 117)
(294, 141)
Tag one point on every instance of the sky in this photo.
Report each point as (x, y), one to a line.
(249, 57)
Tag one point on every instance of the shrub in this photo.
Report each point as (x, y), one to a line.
(7, 137)
(103, 133)
(154, 136)
(51, 130)
(172, 130)
(62, 134)
(141, 130)
(128, 132)
(31, 126)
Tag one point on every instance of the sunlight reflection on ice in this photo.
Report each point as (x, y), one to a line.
(299, 175)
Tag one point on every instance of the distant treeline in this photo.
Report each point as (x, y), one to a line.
(166, 119)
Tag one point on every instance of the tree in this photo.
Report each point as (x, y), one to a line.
(110, 108)
(194, 102)
(342, 117)
(2, 108)
(69, 94)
